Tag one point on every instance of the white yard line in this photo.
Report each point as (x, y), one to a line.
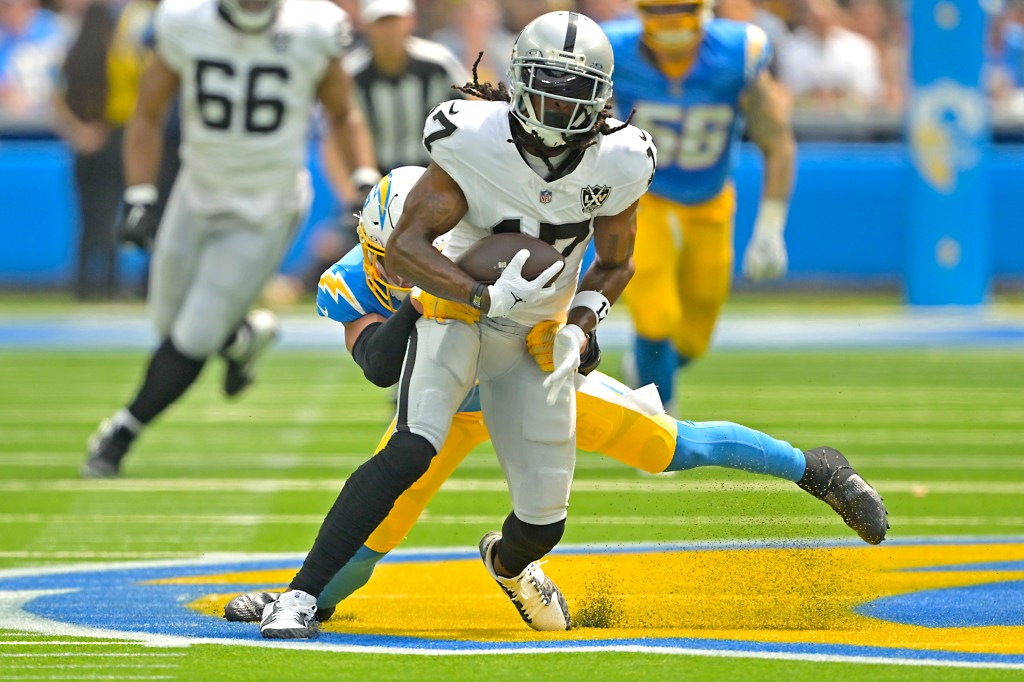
(653, 484)
(72, 666)
(763, 522)
(193, 461)
(86, 677)
(626, 648)
(57, 642)
(65, 654)
(86, 554)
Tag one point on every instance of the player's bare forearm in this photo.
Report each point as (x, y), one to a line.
(354, 140)
(143, 142)
(344, 118)
(434, 206)
(614, 237)
(143, 150)
(338, 175)
(769, 128)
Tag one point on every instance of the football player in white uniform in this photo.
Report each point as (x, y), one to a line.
(379, 315)
(548, 164)
(249, 73)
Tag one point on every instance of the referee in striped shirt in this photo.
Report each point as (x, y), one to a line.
(399, 78)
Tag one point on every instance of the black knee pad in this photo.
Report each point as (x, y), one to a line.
(403, 460)
(522, 543)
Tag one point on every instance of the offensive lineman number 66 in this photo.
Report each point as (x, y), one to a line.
(262, 114)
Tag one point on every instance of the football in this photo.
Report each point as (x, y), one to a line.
(485, 260)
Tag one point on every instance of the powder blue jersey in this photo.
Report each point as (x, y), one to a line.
(695, 120)
(343, 294)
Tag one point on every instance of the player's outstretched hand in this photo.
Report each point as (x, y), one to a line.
(765, 257)
(512, 289)
(565, 355)
(441, 309)
(139, 221)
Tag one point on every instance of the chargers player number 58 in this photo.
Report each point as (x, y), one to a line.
(692, 138)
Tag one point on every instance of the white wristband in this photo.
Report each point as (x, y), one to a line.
(771, 217)
(592, 300)
(141, 194)
(365, 176)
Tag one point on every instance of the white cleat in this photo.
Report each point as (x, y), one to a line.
(290, 616)
(263, 327)
(538, 599)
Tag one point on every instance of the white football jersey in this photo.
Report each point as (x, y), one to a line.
(246, 98)
(472, 142)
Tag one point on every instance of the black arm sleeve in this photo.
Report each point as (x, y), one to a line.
(380, 349)
(590, 358)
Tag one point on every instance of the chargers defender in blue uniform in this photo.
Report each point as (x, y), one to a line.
(612, 420)
(694, 81)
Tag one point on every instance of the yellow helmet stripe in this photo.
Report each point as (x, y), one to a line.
(383, 198)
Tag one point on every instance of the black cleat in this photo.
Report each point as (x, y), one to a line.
(262, 327)
(830, 477)
(248, 607)
(107, 447)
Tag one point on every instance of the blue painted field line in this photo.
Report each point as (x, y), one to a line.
(78, 599)
(911, 329)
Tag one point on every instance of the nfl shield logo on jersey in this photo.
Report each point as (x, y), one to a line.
(592, 197)
(545, 196)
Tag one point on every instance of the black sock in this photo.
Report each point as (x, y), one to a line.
(168, 377)
(366, 499)
(523, 543)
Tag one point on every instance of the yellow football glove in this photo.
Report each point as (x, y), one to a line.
(443, 310)
(541, 342)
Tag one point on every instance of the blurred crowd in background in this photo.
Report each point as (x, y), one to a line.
(71, 68)
(830, 54)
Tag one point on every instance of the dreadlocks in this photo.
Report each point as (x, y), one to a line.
(530, 139)
(484, 90)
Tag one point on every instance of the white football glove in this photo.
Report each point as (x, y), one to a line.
(512, 289)
(565, 354)
(766, 257)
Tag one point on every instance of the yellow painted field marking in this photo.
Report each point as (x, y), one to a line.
(763, 594)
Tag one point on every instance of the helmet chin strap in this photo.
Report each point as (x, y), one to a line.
(552, 140)
(535, 140)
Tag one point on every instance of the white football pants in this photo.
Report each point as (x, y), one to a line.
(207, 269)
(535, 442)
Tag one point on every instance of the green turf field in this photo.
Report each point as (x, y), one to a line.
(937, 431)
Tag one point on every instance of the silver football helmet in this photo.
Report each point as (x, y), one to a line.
(561, 76)
(251, 16)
